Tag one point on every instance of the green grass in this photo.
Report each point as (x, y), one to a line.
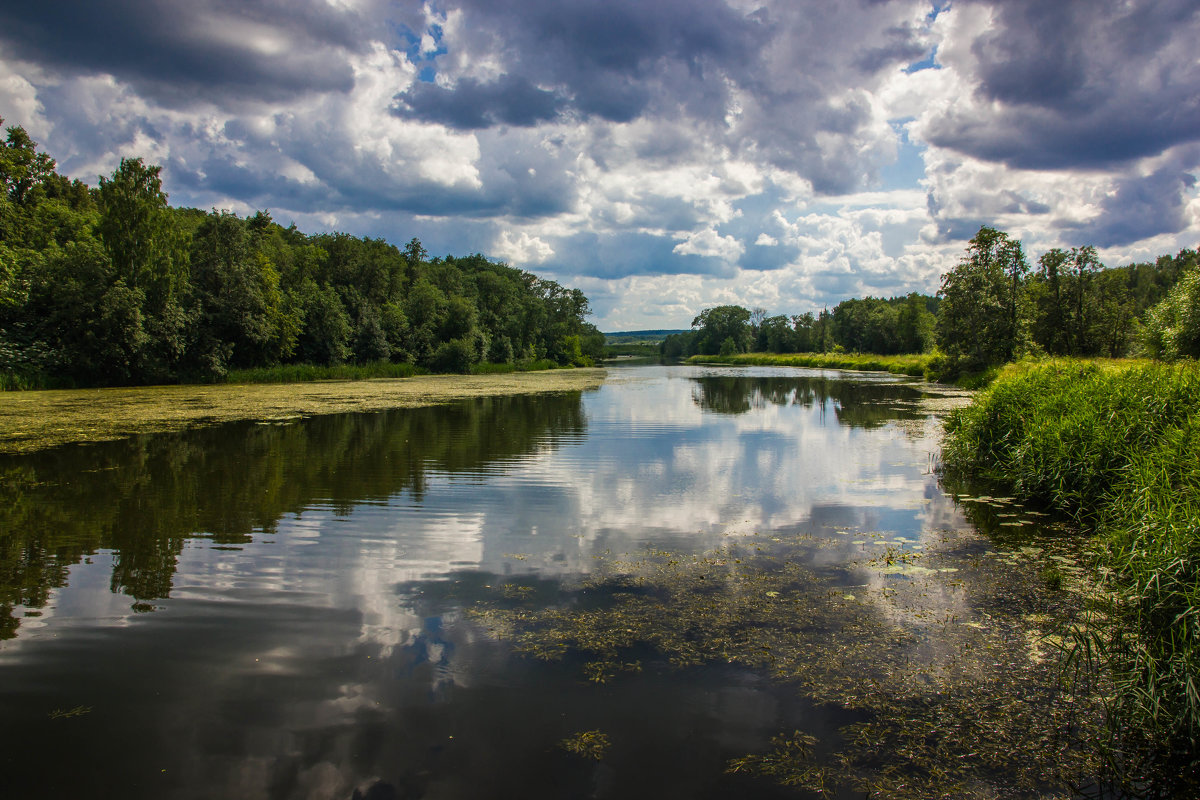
(298, 373)
(1116, 445)
(12, 382)
(488, 368)
(914, 364)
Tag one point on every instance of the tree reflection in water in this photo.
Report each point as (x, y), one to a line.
(143, 498)
(860, 404)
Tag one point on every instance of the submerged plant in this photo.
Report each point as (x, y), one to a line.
(947, 706)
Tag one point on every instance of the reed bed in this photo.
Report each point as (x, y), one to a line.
(913, 364)
(1118, 447)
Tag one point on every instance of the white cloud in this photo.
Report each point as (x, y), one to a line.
(523, 249)
(710, 243)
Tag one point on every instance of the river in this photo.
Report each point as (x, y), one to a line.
(614, 593)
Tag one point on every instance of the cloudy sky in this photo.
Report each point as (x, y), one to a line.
(662, 156)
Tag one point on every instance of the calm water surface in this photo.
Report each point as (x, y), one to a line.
(282, 611)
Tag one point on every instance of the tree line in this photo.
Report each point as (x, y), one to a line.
(993, 306)
(859, 325)
(112, 285)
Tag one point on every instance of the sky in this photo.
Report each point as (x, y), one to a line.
(663, 156)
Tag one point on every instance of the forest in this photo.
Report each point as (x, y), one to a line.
(993, 306)
(112, 285)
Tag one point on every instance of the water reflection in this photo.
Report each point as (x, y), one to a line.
(311, 587)
(868, 402)
(143, 498)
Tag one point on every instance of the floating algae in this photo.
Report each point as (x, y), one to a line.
(589, 744)
(947, 706)
(36, 420)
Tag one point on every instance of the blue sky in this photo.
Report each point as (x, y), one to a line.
(663, 157)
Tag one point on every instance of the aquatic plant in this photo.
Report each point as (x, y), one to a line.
(946, 706)
(1118, 447)
(589, 744)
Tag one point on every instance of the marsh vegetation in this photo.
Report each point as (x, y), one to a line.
(1116, 446)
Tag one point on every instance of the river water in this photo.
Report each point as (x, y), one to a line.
(333, 607)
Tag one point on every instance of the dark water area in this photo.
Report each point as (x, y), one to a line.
(300, 610)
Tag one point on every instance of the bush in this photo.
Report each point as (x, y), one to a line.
(456, 355)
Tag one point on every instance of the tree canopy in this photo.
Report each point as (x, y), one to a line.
(112, 285)
(991, 308)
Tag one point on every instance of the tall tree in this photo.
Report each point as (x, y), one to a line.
(1083, 265)
(139, 232)
(722, 324)
(1050, 327)
(980, 317)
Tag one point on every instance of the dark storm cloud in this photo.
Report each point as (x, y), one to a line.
(1079, 83)
(608, 59)
(1144, 206)
(176, 52)
(471, 104)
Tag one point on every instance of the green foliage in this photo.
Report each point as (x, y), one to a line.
(1120, 449)
(980, 317)
(722, 324)
(1173, 326)
(456, 355)
(914, 365)
(114, 286)
(139, 232)
(295, 373)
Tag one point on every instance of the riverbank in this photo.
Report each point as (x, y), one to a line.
(39, 419)
(913, 364)
(1117, 446)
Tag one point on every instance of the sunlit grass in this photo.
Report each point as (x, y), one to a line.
(912, 364)
(1117, 445)
(489, 368)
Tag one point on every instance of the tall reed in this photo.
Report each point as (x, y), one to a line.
(914, 365)
(1118, 447)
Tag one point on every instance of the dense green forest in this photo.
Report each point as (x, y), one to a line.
(112, 285)
(992, 307)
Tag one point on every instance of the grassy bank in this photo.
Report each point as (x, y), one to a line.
(35, 420)
(298, 373)
(1117, 446)
(914, 365)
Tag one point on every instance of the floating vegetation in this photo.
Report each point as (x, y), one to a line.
(589, 744)
(950, 700)
(77, 711)
(39, 419)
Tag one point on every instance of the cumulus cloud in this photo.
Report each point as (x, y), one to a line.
(1070, 84)
(708, 152)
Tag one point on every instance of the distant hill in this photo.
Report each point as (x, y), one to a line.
(639, 337)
